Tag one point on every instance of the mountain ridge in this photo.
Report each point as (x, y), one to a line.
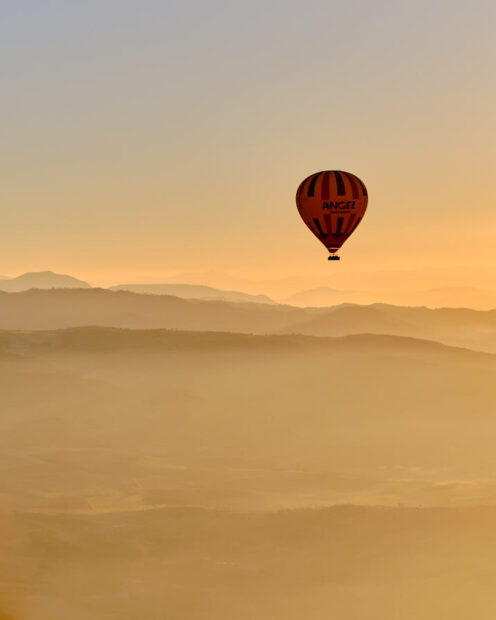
(113, 339)
(41, 280)
(193, 291)
(440, 297)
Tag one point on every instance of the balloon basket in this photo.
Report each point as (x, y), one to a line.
(333, 257)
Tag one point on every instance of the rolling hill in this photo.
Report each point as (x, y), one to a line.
(240, 421)
(53, 309)
(220, 476)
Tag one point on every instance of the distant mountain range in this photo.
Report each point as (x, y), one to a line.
(343, 279)
(51, 280)
(41, 280)
(193, 291)
(448, 297)
(38, 309)
(324, 296)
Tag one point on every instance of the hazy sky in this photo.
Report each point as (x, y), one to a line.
(142, 138)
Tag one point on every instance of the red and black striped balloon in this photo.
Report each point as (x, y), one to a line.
(332, 204)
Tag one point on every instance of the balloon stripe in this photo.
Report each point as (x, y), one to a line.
(313, 182)
(339, 227)
(356, 224)
(325, 192)
(351, 219)
(328, 223)
(340, 184)
(354, 187)
(318, 226)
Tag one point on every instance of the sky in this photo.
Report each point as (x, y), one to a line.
(143, 139)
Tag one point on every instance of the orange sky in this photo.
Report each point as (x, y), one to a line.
(148, 139)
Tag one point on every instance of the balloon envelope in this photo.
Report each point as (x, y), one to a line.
(332, 204)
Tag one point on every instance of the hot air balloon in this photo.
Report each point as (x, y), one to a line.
(332, 204)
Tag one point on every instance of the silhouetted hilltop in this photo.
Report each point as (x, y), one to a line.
(54, 309)
(193, 291)
(41, 280)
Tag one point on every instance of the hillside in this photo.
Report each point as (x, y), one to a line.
(239, 421)
(36, 309)
(68, 308)
(146, 470)
(344, 562)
